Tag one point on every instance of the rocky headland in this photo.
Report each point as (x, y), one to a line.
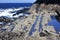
(28, 27)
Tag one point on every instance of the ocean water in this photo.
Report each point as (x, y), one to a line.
(14, 5)
(9, 9)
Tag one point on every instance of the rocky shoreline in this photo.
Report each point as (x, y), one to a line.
(20, 28)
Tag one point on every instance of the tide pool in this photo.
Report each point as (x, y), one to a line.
(33, 26)
(54, 23)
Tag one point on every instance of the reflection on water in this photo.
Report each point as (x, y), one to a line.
(40, 26)
(33, 26)
(55, 23)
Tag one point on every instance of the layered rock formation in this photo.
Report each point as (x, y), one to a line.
(22, 28)
(51, 9)
(54, 7)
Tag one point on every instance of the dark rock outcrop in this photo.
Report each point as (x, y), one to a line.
(24, 10)
(42, 34)
(48, 1)
(3, 19)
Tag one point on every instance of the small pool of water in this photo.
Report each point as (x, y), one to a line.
(40, 26)
(33, 26)
(54, 23)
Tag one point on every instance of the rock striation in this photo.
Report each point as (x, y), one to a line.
(23, 25)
